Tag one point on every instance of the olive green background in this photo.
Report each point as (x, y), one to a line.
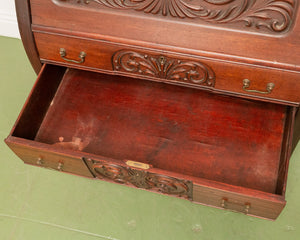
(36, 203)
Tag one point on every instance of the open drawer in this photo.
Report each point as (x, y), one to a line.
(212, 149)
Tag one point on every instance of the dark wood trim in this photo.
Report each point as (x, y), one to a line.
(24, 22)
(286, 151)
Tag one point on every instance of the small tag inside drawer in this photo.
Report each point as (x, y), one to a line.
(137, 164)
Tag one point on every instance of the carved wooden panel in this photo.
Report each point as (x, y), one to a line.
(159, 66)
(140, 178)
(266, 15)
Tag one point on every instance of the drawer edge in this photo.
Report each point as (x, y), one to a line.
(266, 207)
(35, 155)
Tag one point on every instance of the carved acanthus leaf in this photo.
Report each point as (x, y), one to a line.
(190, 72)
(273, 15)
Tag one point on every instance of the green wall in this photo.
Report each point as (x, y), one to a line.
(42, 204)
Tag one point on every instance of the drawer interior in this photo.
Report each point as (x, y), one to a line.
(178, 129)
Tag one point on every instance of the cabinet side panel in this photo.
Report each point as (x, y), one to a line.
(24, 22)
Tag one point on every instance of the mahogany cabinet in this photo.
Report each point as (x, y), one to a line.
(194, 99)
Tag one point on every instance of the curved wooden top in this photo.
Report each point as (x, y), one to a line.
(24, 22)
(262, 32)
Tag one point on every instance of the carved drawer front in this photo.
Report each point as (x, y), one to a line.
(47, 158)
(248, 81)
(136, 174)
(124, 60)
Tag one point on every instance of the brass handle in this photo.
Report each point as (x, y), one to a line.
(63, 55)
(246, 209)
(60, 166)
(246, 85)
(40, 161)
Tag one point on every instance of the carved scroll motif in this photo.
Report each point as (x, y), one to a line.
(141, 179)
(192, 72)
(272, 15)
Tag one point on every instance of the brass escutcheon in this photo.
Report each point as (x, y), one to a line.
(162, 60)
(137, 164)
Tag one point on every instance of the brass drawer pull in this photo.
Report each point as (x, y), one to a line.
(246, 209)
(60, 166)
(246, 85)
(40, 161)
(63, 55)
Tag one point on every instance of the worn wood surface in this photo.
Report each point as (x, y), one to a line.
(172, 128)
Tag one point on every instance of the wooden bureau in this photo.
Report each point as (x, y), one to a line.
(194, 99)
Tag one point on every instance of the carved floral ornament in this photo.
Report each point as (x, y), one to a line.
(141, 179)
(159, 66)
(271, 15)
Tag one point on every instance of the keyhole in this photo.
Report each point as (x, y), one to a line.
(162, 60)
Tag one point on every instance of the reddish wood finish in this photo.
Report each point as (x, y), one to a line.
(24, 22)
(224, 147)
(172, 128)
(296, 136)
(40, 155)
(185, 134)
(228, 76)
(38, 101)
(240, 200)
(278, 49)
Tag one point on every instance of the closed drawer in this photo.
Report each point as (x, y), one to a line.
(248, 81)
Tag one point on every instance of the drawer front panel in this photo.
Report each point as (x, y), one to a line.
(255, 205)
(140, 175)
(50, 160)
(248, 81)
(117, 59)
